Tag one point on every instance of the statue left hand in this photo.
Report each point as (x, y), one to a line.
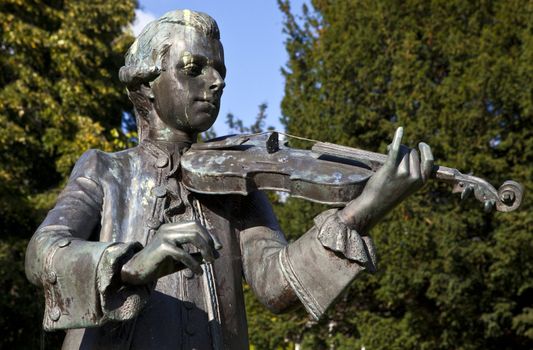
(403, 174)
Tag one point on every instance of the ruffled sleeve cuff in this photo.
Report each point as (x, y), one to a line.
(324, 261)
(336, 236)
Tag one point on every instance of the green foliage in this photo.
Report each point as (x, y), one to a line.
(456, 75)
(59, 95)
(60, 90)
(237, 125)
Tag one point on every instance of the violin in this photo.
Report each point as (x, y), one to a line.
(328, 173)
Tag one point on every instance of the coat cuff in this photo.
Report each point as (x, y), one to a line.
(338, 237)
(119, 302)
(69, 280)
(319, 272)
(81, 279)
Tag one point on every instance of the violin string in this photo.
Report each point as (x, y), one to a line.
(285, 134)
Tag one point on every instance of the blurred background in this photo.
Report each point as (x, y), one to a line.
(456, 74)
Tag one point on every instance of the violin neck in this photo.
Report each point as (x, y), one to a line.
(507, 198)
(372, 159)
(376, 160)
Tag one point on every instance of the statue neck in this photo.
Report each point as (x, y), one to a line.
(169, 135)
(160, 132)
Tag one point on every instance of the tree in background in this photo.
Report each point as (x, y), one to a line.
(457, 75)
(59, 95)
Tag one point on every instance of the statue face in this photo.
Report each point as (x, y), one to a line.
(187, 93)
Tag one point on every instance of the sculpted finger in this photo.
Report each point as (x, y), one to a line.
(202, 231)
(176, 230)
(427, 160)
(414, 162)
(394, 148)
(214, 243)
(197, 240)
(404, 166)
(185, 258)
(191, 232)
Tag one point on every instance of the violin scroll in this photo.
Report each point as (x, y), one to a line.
(507, 198)
(510, 194)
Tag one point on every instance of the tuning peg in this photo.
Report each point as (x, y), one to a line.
(467, 192)
(488, 205)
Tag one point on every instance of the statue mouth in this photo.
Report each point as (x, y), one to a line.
(211, 102)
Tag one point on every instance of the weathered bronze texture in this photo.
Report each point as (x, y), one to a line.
(329, 174)
(129, 258)
(242, 168)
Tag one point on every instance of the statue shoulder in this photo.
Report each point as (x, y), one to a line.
(94, 163)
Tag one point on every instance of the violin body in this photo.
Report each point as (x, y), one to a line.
(327, 174)
(241, 168)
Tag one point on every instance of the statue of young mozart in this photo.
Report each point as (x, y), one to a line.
(130, 259)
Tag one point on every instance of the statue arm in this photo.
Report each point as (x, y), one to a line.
(314, 269)
(80, 277)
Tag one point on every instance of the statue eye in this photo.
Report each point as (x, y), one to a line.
(192, 69)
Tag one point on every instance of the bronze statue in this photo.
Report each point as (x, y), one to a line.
(130, 258)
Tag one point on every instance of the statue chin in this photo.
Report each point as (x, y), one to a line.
(201, 122)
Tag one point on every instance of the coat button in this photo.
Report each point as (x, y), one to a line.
(51, 277)
(159, 191)
(63, 242)
(188, 305)
(161, 162)
(55, 314)
(153, 223)
(188, 273)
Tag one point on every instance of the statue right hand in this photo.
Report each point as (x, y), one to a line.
(164, 254)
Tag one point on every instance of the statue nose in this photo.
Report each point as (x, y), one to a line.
(218, 83)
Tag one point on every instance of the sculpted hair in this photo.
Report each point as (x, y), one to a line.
(147, 55)
(153, 42)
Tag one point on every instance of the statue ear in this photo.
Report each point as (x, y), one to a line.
(137, 80)
(135, 76)
(146, 90)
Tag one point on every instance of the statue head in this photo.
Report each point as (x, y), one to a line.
(175, 73)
